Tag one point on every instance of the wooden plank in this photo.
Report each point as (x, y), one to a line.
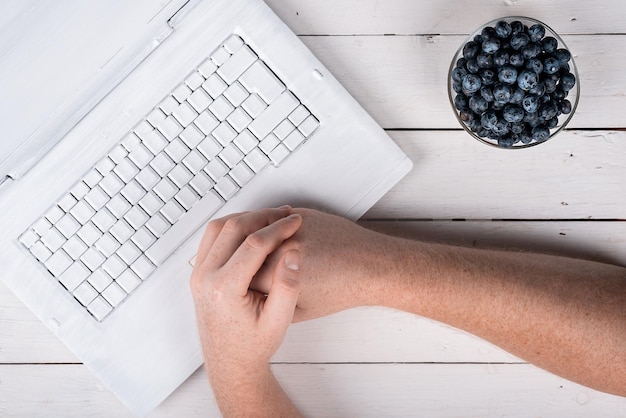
(577, 175)
(348, 17)
(370, 334)
(329, 390)
(401, 80)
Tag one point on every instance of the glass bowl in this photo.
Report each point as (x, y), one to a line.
(508, 131)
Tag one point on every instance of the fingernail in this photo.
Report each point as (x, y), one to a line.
(284, 207)
(293, 260)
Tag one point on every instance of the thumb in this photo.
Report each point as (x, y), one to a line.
(284, 292)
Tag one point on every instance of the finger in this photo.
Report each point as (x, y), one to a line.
(227, 234)
(281, 301)
(251, 254)
(211, 232)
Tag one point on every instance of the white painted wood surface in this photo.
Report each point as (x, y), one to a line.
(566, 197)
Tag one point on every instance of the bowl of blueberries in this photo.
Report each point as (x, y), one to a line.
(513, 83)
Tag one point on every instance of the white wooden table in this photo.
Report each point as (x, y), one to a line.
(567, 196)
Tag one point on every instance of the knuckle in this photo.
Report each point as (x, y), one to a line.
(232, 224)
(256, 240)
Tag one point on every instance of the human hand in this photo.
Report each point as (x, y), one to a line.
(345, 265)
(240, 329)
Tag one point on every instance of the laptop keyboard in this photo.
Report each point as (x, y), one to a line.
(230, 118)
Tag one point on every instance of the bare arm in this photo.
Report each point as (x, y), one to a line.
(565, 315)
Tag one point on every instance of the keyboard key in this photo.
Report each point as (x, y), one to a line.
(114, 294)
(246, 142)
(242, 174)
(147, 178)
(165, 189)
(107, 245)
(151, 203)
(140, 156)
(210, 148)
(133, 192)
(181, 230)
(117, 154)
(231, 155)
(111, 184)
(162, 164)
(220, 56)
(207, 68)
(103, 219)
(122, 231)
(226, 187)
(74, 276)
(93, 177)
(216, 169)
(67, 225)
(114, 266)
(233, 44)
(97, 198)
(75, 247)
(256, 160)
(221, 108)
(273, 115)
(268, 144)
(200, 100)
(92, 258)
(309, 126)
(128, 280)
(254, 105)
(129, 252)
(201, 183)
(170, 128)
(261, 80)
(85, 293)
(89, 234)
(181, 93)
(168, 105)
(194, 161)
(236, 94)
(278, 154)
(58, 263)
(99, 279)
(235, 66)
(79, 190)
(143, 238)
(53, 239)
(177, 150)
(118, 206)
(194, 80)
(40, 251)
(180, 176)
(105, 165)
(294, 140)
(185, 114)
(42, 226)
(28, 238)
(172, 211)
(206, 122)
(299, 115)
(142, 267)
(155, 142)
(67, 202)
(187, 197)
(155, 118)
(214, 85)
(140, 130)
(224, 133)
(239, 119)
(99, 308)
(284, 129)
(136, 217)
(158, 225)
(191, 136)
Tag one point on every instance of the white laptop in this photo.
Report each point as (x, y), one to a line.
(126, 126)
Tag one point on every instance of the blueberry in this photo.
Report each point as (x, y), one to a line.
(568, 81)
(472, 66)
(550, 85)
(488, 119)
(540, 133)
(517, 127)
(548, 111)
(536, 32)
(565, 106)
(484, 60)
(559, 93)
(519, 41)
(535, 64)
(531, 50)
(470, 50)
(525, 138)
(478, 104)
(461, 102)
(491, 45)
(458, 73)
(551, 65)
(471, 83)
(474, 124)
(488, 33)
(552, 123)
(517, 96)
(549, 44)
(506, 142)
(563, 55)
(507, 74)
(502, 93)
(503, 29)
(539, 89)
(457, 86)
(513, 114)
(516, 59)
(501, 128)
(461, 62)
(527, 80)
(500, 58)
(467, 115)
(516, 27)
(532, 119)
(487, 93)
(487, 76)
(530, 103)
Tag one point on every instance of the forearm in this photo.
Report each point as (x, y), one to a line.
(565, 315)
(249, 392)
